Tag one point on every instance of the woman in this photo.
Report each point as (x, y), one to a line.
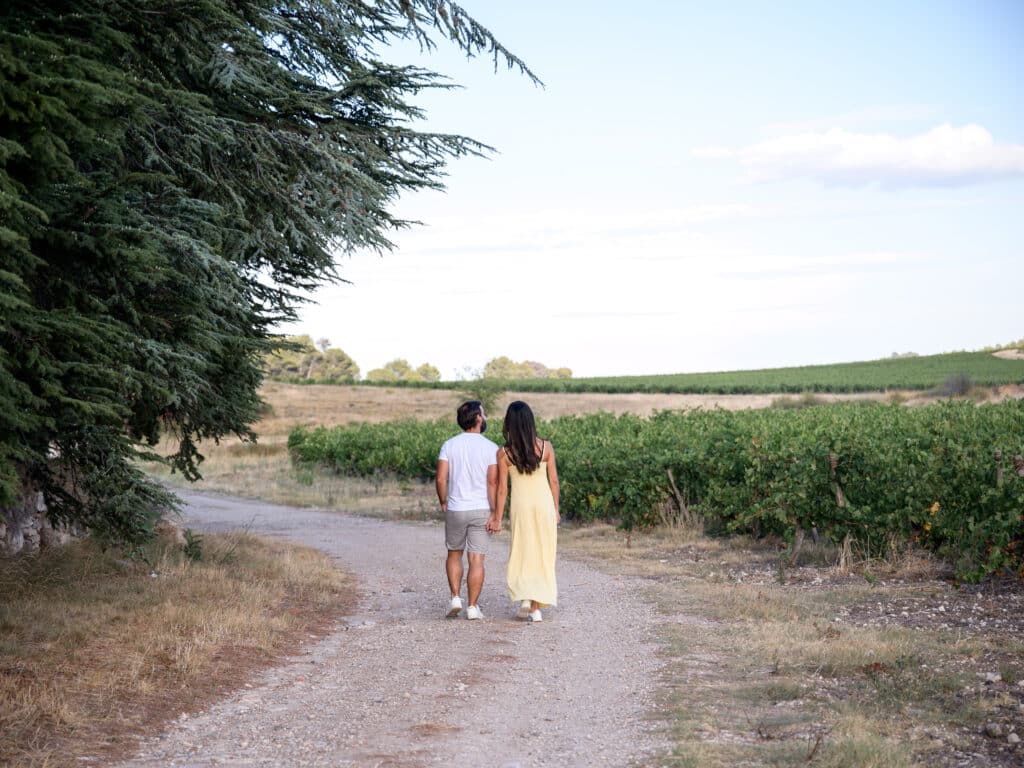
(533, 512)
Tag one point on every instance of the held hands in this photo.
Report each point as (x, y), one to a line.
(493, 524)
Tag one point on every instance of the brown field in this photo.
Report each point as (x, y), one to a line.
(330, 405)
(1010, 354)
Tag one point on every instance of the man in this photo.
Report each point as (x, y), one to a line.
(467, 483)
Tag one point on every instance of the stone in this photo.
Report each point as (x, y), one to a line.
(51, 537)
(31, 536)
(995, 730)
(1013, 738)
(14, 540)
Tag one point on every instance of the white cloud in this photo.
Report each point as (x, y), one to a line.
(944, 156)
(859, 119)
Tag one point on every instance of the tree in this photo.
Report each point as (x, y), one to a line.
(428, 372)
(297, 358)
(502, 368)
(381, 376)
(509, 370)
(291, 360)
(335, 366)
(400, 370)
(173, 176)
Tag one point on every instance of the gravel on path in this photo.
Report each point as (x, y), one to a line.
(397, 684)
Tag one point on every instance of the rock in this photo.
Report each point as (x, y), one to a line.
(990, 677)
(31, 536)
(1013, 738)
(51, 537)
(995, 730)
(14, 540)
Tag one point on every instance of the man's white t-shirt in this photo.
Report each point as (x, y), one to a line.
(468, 455)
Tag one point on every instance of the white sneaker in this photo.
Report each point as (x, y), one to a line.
(535, 616)
(524, 610)
(455, 608)
(474, 612)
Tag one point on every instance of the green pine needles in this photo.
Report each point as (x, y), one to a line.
(173, 176)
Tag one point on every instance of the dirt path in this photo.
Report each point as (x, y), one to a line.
(398, 685)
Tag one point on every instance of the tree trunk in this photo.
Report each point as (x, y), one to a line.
(21, 523)
(798, 542)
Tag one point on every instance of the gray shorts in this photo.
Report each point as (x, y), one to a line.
(467, 530)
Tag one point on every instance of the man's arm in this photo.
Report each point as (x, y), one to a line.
(441, 483)
(492, 485)
(494, 522)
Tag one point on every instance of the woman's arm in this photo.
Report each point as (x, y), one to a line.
(553, 479)
(501, 493)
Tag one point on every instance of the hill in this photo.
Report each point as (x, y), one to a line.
(950, 373)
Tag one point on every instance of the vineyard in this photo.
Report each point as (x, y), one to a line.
(931, 372)
(870, 477)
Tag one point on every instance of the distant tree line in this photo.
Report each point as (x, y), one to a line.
(302, 359)
(504, 368)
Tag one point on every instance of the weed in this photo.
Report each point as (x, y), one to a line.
(193, 549)
(957, 385)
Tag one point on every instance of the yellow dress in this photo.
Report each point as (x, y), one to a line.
(534, 537)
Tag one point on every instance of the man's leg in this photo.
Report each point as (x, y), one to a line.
(475, 580)
(453, 567)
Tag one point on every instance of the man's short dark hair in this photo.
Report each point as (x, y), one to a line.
(467, 413)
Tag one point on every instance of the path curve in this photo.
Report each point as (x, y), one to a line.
(398, 685)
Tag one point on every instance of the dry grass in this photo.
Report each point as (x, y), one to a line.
(770, 673)
(265, 472)
(94, 649)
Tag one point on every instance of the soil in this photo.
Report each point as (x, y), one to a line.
(1010, 354)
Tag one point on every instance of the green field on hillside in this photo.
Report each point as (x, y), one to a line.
(932, 372)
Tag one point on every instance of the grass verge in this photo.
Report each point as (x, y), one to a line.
(815, 667)
(96, 650)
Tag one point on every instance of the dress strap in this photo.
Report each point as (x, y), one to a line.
(542, 446)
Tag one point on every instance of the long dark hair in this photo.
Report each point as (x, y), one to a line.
(520, 433)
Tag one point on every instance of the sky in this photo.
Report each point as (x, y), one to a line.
(708, 187)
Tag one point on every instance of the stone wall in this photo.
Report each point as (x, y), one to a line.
(24, 528)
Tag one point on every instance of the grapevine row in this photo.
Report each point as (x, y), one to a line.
(878, 476)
